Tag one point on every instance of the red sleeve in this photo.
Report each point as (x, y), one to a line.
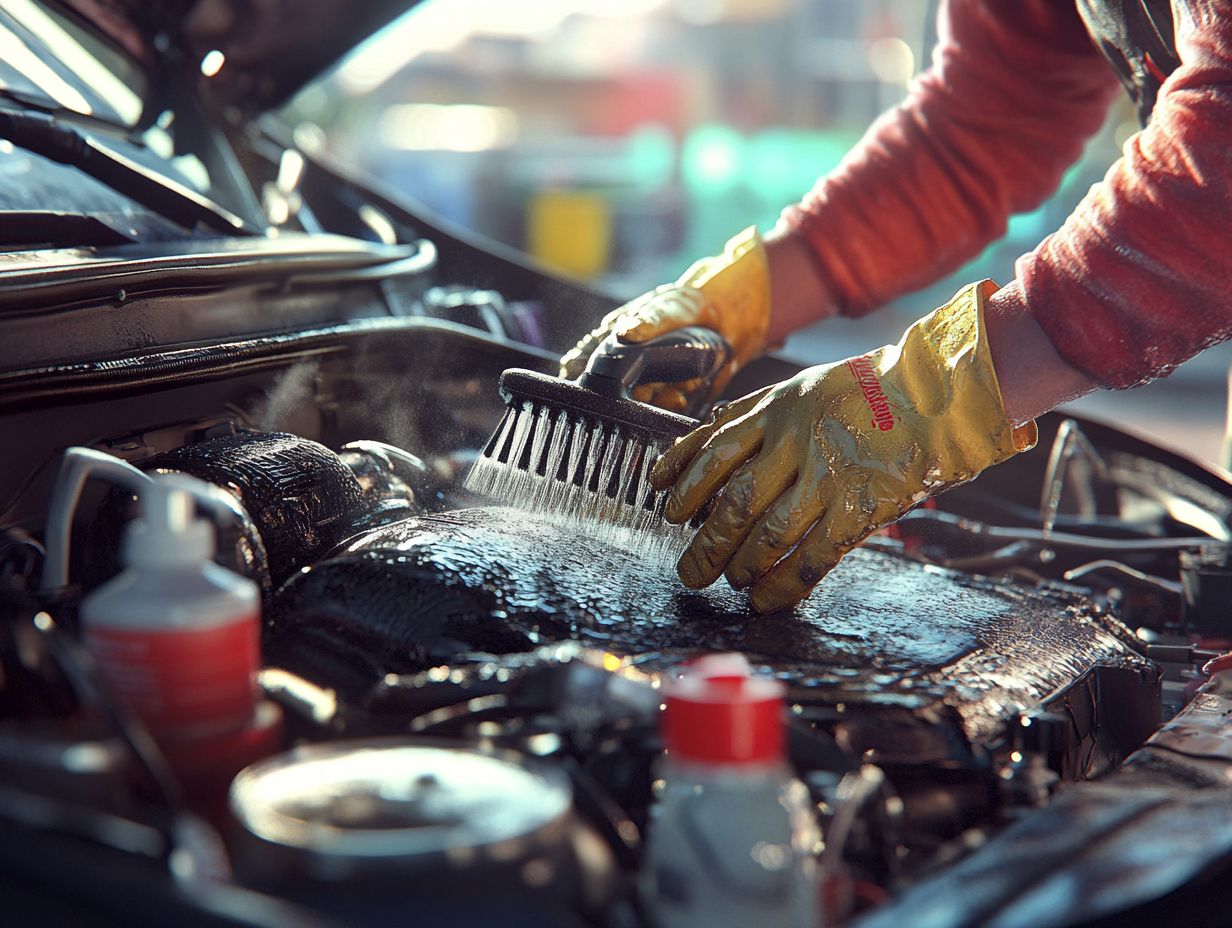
(1015, 88)
(1137, 280)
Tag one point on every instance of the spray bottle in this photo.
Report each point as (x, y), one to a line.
(734, 839)
(175, 635)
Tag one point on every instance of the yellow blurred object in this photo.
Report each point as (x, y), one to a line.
(570, 230)
(612, 662)
(729, 293)
(803, 471)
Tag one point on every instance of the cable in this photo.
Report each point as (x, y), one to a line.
(43, 135)
(854, 792)
(1159, 583)
(601, 810)
(481, 708)
(976, 529)
(79, 465)
(1070, 444)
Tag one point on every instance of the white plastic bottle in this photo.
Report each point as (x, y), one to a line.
(176, 635)
(733, 843)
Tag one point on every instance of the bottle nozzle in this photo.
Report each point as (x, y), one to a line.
(169, 531)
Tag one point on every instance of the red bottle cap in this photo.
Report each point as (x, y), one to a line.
(719, 713)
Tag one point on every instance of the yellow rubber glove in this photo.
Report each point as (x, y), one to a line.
(803, 471)
(729, 293)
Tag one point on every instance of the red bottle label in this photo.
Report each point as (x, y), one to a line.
(183, 682)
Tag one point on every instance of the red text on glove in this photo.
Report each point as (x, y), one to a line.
(870, 386)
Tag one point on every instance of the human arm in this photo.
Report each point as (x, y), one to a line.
(934, 180)
(1136, 280)
(1134, 283)
(1034, 377)
(1015, 88)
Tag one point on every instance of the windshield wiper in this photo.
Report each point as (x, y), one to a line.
(44, 136)
(56, 230)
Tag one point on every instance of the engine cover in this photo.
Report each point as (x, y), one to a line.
(916, 664)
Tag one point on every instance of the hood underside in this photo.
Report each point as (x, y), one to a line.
(272, 47)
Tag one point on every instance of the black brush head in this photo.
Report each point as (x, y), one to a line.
(658, 425)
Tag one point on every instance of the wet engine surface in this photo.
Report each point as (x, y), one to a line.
(929, 709)
(904, 643)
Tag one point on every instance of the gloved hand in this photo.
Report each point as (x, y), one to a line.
(729, 293)
(802, 472)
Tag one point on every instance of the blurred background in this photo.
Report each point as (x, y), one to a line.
(617, 142)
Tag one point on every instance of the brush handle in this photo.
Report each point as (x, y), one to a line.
(690, 353)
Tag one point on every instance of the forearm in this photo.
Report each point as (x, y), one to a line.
(1032, 376)
(1136, 280)
(987, 131)
(799, 295)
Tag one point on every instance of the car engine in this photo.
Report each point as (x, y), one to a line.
(962, 686)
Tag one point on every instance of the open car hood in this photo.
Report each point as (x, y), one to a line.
(272, 47)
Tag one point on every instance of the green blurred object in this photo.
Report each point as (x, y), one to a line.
(731, 181)
(712, 159)
(783, 164)
(651, 156)
(777, 165)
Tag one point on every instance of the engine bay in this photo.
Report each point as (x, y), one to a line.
(979, 678)
(1008, 709)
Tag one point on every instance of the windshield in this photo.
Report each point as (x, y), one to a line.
(51, 60)
(79, 166)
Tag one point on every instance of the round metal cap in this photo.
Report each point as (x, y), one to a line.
(395, 798)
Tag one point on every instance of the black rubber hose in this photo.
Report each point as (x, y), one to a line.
(43, 135)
